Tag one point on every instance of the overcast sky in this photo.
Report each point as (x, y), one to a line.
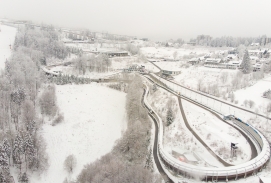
(154, 19)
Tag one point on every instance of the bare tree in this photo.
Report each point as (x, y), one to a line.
(70, 163)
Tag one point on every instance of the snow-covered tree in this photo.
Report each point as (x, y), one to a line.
(3, 158)
(246, 64)
(18, 149)
(169, 116)
(29, 148)
(154, 88)
(70, 163)
(23, 178)
(7, 147)
(2, 178)
(149, 162)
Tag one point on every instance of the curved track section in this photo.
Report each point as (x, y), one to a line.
(214, 174)
(252, 146)
(155, 149)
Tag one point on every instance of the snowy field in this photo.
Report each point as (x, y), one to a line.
(217, 134)
(255, 93)
(94, 118)
(177, 137)
(190, 77)
(7, 37)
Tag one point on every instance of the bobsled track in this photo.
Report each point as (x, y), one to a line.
(256, 164)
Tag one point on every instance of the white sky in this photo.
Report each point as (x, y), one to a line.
(154, 19)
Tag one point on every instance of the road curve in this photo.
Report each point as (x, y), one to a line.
(155, 151)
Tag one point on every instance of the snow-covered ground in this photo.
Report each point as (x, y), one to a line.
(255, 93)
(118, 63)
(94, 118)
(177, 137)
(217, 134)
(208, 77)
(7, 37)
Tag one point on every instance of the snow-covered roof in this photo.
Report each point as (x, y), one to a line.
(231, 56)
(234, 62)
(213, 60)
(257, 65)
(254, 58)
(256, 51)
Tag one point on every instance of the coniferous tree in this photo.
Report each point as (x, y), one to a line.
(3, 158)
(7, 147)
(18, 149)
(29, 148)
(169, 116)
(2, 178)
(246, 65)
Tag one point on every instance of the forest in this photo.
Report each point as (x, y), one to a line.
(27, 97)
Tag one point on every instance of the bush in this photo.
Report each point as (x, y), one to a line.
(70, 163)
(58, 119)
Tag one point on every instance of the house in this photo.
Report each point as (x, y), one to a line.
(235, 64)
(233, 52)
(254, 59)
(257, 67)
(194, 61)
(255, 44)
(231, 57)
(212, 62)
(117, 53)
(171, 72)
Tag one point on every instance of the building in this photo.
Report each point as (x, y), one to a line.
(108, 53)
(117, 53)
(233, 64)
(255, 44)
(257, 67)
(171, 72)
(232, 51)
(194, 61)
(213, 62)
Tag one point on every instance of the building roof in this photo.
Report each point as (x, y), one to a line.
(234, 62)
(213, 60)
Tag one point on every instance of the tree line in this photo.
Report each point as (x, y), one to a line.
(26, 97)
(131, 157)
